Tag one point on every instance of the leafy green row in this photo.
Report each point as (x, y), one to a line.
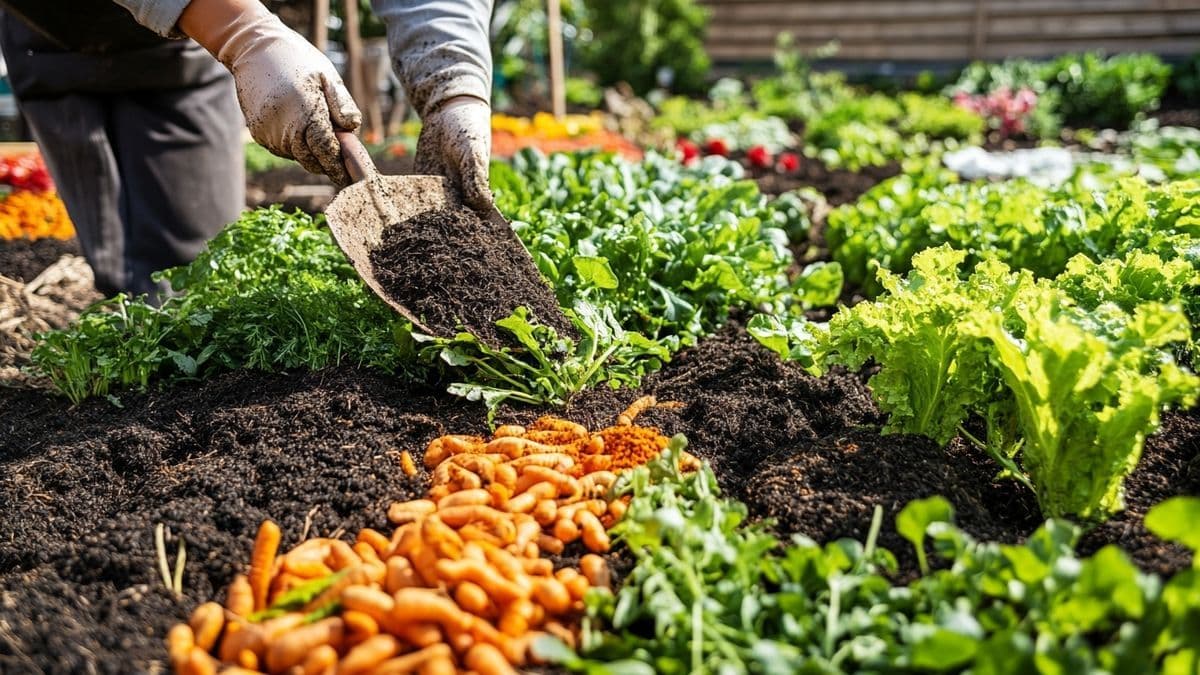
(711, 593)
(1084, 88)
(1069, 374)
(273, 291)
(1027, 226)
(669, 249)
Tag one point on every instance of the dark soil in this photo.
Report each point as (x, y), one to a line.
(454, 270)
(24, 259)
(838, 185)
(78, 585)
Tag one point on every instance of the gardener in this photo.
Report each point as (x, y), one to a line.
(141, 132)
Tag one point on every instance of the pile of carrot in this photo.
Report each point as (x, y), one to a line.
(461, 584)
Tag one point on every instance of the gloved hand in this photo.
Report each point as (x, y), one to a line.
(289, 92)
(456, 142)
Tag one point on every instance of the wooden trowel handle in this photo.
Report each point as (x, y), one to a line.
(356, 158)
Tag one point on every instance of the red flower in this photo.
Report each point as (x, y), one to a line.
(788, 162)
(758, 157)
(689, 150)
(716, 146)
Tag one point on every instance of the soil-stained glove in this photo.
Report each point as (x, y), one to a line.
(456, 142)
(289, 92)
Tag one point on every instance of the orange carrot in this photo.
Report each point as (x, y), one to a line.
(565, 530)
(320, 661)
(472, 598)
(421, 604)
(407, 663)
(554, 460)
(509, 430)
(549, 423)
(241, 637)
(485, 659)
(550, 545)
(266, 544)
(370, 601)
(369, 654)
(342, 556)
(577, 584)
(595, 570)
(417, 634)
(180, 640)
(359, 626)
(501, 590)
(544, 512)
(438, 666)
(400, 574)
(444, 446)
(207, 621)
(475, 497)
(534, 473)
(407, 465)
(291, 648)
(380, 543)
(595, 538)
(561, 632)
(400, 513)
(199, 662)
(538, 567)
(239, 599)
(552, 594)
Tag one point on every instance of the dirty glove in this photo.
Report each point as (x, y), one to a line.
(456, 142)
(290, 93)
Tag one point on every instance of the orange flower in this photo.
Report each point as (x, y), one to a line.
(34, 215)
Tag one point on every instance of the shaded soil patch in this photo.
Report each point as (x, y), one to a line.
(24, 259)
(454, 270)
(78, 586)
(838, 185)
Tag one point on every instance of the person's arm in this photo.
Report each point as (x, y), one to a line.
(290, 93)
(442, 54)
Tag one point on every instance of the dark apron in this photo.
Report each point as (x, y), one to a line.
(54, 48)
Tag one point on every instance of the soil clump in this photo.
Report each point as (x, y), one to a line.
(456, 271)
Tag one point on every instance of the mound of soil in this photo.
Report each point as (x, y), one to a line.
(24, 259)
(317, 452)
(455, 270)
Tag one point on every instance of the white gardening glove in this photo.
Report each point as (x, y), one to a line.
(290, 93)
(456, 142)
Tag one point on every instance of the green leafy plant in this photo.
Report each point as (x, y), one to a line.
(1109, 91)
(1069, 375)
(714, 593)
(1088, 389)
(1023, 224)
(671, 250)
(549, 369)
(640, 41)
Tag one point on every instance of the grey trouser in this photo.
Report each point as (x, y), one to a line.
(145, 150)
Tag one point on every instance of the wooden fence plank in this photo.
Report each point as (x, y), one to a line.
(953, 30)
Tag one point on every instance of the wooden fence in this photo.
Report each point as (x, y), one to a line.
(952, 30)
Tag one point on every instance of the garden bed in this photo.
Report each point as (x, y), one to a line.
(319, 453)
(24, 259)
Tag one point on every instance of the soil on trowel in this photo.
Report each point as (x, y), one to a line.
(456, 271)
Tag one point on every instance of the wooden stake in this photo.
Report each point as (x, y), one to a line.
(558, 87)
(320, 25)
(354, 52)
